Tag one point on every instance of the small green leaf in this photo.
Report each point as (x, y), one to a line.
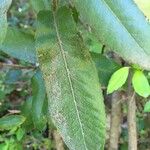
(9, 122)
(38, 99)
(20, 133)
(118, 79)
(27, 112)
(147, 107)
(140, 84)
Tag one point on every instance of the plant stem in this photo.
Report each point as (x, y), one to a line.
(132, 130)
(116, 115)
(58, 140)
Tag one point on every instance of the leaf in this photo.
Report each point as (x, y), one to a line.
(91, 42)
(4, 5)
(26, 111)
(20, 133)
(120, 25)
(23, 47)
(140, 84)
(39, 5)
(118, 79)
(105, 67)
(39, 96)
(12, 121)
(75, 100)
(144, 5)
(147, 107)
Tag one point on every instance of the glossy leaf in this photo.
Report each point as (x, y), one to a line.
(118, 79)
(147, 107)
(23, 47)
(75, 100)
(4, 5)
(12, 121)
(140, 84)
(120, 25)
(39, 96)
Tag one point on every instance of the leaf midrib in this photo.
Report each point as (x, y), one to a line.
(124, 26)
(68, 76)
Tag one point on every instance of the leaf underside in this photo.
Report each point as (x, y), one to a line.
(75, 100)
(121, 26)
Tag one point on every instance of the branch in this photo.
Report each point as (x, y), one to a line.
(132, 129)
(15, 66)
(116, 115)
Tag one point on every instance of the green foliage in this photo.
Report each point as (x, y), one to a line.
(20, 133)
(38, 100)
(125, 32)
(23, 47)
(140, 84)
(69, 74)
(118, 79)
(4, 5)
(40, 5)
(72, 97)
(10, 122)
(105, 67)
(147, 107)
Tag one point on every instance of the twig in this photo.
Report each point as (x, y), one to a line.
(116, 115)
(15, 66)
(132, 130)
(58, 141)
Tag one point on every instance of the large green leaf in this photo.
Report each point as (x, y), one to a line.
(120, 25)
(20, 45)
(75, 100)
(4, 5)
(12, 121)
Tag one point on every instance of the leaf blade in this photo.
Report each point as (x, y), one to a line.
(4, 5)
(140, 84)
(69, 73)
(9, 122)
(22, 48)
(118, 79)
(125, 31)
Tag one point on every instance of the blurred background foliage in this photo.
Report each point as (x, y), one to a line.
(22, 92)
